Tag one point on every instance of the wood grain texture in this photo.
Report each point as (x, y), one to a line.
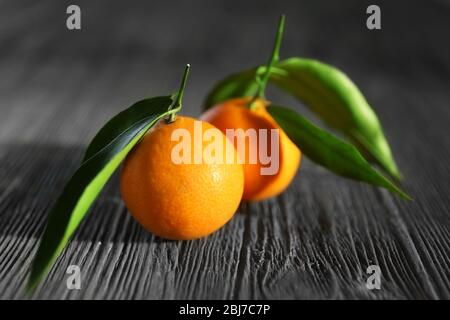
(316, 240)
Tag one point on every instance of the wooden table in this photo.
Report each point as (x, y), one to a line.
(315, 241)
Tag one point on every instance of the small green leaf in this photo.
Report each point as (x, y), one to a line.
(330, 152)
(104, 154)
(238, 85)
(338, 102)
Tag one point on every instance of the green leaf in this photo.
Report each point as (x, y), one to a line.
(124, 120)
(104, 154)
(238, 85)
(330, 152)
(339, 103)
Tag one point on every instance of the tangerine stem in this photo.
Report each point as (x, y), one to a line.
(274, 58)
(179, 100)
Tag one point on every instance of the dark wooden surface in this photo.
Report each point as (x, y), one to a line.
(316, 240)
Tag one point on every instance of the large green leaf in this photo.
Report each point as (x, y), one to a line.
(242, 84)
(339, 103)
(325, 149)
(105, 153)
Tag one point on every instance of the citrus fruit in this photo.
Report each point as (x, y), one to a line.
(181, 200)
(235, 114)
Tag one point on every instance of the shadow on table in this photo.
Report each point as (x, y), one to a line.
(31, 179)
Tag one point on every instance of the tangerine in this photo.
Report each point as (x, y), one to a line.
(235, 114)
(180, 201)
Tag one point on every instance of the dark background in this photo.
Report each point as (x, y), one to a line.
(57, 87)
